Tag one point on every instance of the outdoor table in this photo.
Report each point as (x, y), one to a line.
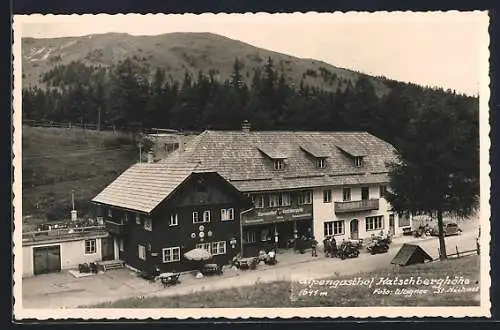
(209, 269)
(168, 279)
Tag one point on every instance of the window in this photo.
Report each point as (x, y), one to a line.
(250, 237)
(346, 194)
(174, 220)
(206, 216)
(285, 199)
(358, 161)
(327, 196)
(383, 191)
(172, 254)
(148, 224)
(365, 193)
(403, 220)
(265, 235)
(279, 164)
(110, 213)
(273, 200)
(204, 246)
(90, 246)
(374, 223)
(307, 197)
(258, 201)
(195, 217)
(227, 214)
(141, 250)
(219, 248)
(138, 219)
(321, 162)
(334, 228)
(125, 218)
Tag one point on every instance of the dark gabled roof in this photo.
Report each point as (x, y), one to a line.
(144, 186)
(410, 254)
(239, 157)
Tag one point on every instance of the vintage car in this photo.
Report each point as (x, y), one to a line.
(449, 228)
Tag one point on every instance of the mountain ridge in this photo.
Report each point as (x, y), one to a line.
(177, 53)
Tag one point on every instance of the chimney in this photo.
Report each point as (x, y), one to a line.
(150, 157)
(245, 126)
(180, 141)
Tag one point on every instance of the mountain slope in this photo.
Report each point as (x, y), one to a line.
(178, 53)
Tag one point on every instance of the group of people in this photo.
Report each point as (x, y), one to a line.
(330, 246)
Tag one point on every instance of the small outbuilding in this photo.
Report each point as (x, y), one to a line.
(410, 254)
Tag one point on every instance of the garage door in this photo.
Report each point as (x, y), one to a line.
(46, 259)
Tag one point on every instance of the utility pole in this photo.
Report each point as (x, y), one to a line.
(140, 152)
(99, 117)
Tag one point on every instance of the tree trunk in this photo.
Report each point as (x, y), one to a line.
(442, 245)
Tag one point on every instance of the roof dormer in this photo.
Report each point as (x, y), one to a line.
(317, 153)
(356, 153)
(275, 155)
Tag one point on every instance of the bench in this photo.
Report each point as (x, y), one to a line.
(407, 231)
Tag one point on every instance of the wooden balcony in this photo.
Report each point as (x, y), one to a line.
(116, 227)
(355, 206)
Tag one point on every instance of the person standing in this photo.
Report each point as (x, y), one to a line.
(314, 246)
(326, 246)
(333, 247)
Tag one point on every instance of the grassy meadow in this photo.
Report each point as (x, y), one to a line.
(58, 160)
(278, 294)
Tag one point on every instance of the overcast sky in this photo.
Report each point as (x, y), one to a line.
(436, 49)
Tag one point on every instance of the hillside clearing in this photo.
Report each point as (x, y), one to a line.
(57, 161)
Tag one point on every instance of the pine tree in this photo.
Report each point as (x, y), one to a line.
(437, 169)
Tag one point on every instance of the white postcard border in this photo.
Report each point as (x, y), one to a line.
(21, 313)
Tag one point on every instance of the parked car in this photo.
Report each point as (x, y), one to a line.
(449, 228)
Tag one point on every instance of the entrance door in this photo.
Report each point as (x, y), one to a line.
(365, 193)
(392, 229)
(47, 259)
(354, 229)
(108, 248)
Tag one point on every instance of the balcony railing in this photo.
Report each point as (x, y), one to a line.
(64, 233)
(116, 227)
(354, 206)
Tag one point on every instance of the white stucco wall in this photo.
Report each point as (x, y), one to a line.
(324, 212)
(72, 254)
(27, 261)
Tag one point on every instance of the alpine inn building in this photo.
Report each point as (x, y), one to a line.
(298, 183)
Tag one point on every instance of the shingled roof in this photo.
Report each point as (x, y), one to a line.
(239, 157)
(143, 186)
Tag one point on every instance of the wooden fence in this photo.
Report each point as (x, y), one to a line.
(460, 254)
(61, 233)
(95, 127)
